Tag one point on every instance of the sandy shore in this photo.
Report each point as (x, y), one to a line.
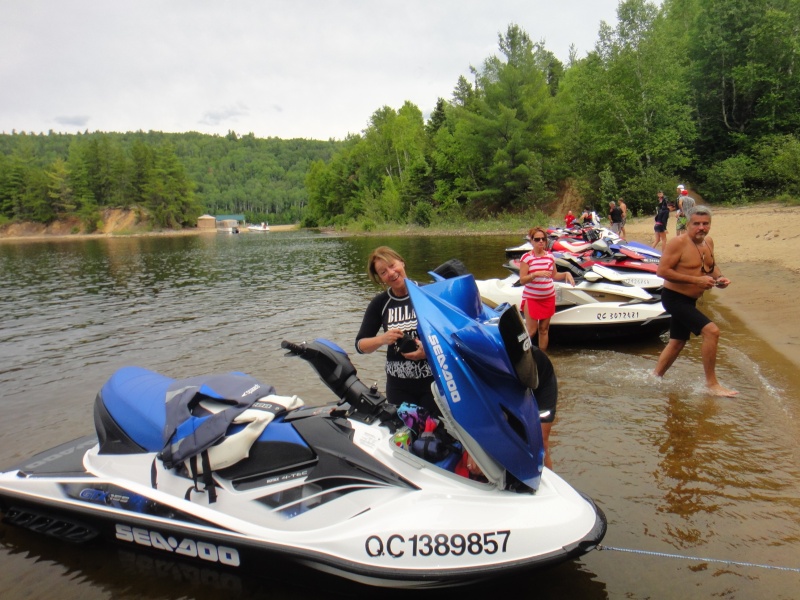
(28, 232)
(757, 248)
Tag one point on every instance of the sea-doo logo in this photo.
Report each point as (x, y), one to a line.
(441, 360)
(251, 390)
(185, 547)
(66, 452)
(524, 339)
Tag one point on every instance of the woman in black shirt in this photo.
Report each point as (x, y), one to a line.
(660, 226)
(390, 320)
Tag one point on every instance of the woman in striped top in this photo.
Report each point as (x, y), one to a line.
(537, 270)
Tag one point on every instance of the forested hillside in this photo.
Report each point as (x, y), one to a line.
(703, 92)
(172, 177)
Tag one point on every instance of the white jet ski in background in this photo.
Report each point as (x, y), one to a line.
(592, 312)
(581, 318)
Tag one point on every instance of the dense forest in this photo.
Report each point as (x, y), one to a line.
(172, 177)
(704, 92)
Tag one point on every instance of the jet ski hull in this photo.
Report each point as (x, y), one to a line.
(446, 535)
(582, 319)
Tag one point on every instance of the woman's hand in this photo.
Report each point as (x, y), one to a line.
(370, 345)
(418, 354)
(391, 336)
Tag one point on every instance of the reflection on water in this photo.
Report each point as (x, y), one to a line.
(114, 571)
(675, 471)
(687, 471)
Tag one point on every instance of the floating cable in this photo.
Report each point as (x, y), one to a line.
(698, 558)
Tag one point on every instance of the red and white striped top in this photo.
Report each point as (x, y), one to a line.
(540, 287)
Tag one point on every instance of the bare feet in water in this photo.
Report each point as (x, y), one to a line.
(718, 390)
(715, 390)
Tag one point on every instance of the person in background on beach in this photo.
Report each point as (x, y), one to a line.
(689, 269)
(680, 190)
(615, 217)
(537, 270)
(589, 217)
(624, 208)
(408, 374)
(569, 219)
(685, 205)
(662, 218)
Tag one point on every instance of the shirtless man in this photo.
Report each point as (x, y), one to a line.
(688, 269)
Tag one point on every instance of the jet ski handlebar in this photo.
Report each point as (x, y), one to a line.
(337, 372)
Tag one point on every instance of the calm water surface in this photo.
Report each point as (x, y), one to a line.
(676, 472)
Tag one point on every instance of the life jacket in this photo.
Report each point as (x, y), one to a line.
(216, 419)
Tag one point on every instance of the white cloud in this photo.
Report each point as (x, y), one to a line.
(284, 68)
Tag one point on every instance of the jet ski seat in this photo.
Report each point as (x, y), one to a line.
(130, 411)
(130, 418)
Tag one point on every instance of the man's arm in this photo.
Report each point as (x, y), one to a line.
(669, 260)
(719, 280)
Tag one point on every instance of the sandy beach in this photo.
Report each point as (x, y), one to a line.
(757, 248)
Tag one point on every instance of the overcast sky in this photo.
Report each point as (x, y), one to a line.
(295, 68)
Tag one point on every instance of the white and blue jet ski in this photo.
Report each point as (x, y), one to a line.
(224, 471)
(599, 310)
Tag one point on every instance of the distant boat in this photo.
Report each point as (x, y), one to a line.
(263, 227)
(227, 226)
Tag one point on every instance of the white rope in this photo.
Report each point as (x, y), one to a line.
(698, 558)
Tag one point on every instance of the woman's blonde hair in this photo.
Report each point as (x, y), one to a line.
(381, 253)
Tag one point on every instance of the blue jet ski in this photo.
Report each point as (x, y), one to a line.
(223, 470)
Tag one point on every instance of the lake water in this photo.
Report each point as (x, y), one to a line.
(680, 475)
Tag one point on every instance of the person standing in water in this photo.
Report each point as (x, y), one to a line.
(537, 270)
(390, 320)
(689, 269)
